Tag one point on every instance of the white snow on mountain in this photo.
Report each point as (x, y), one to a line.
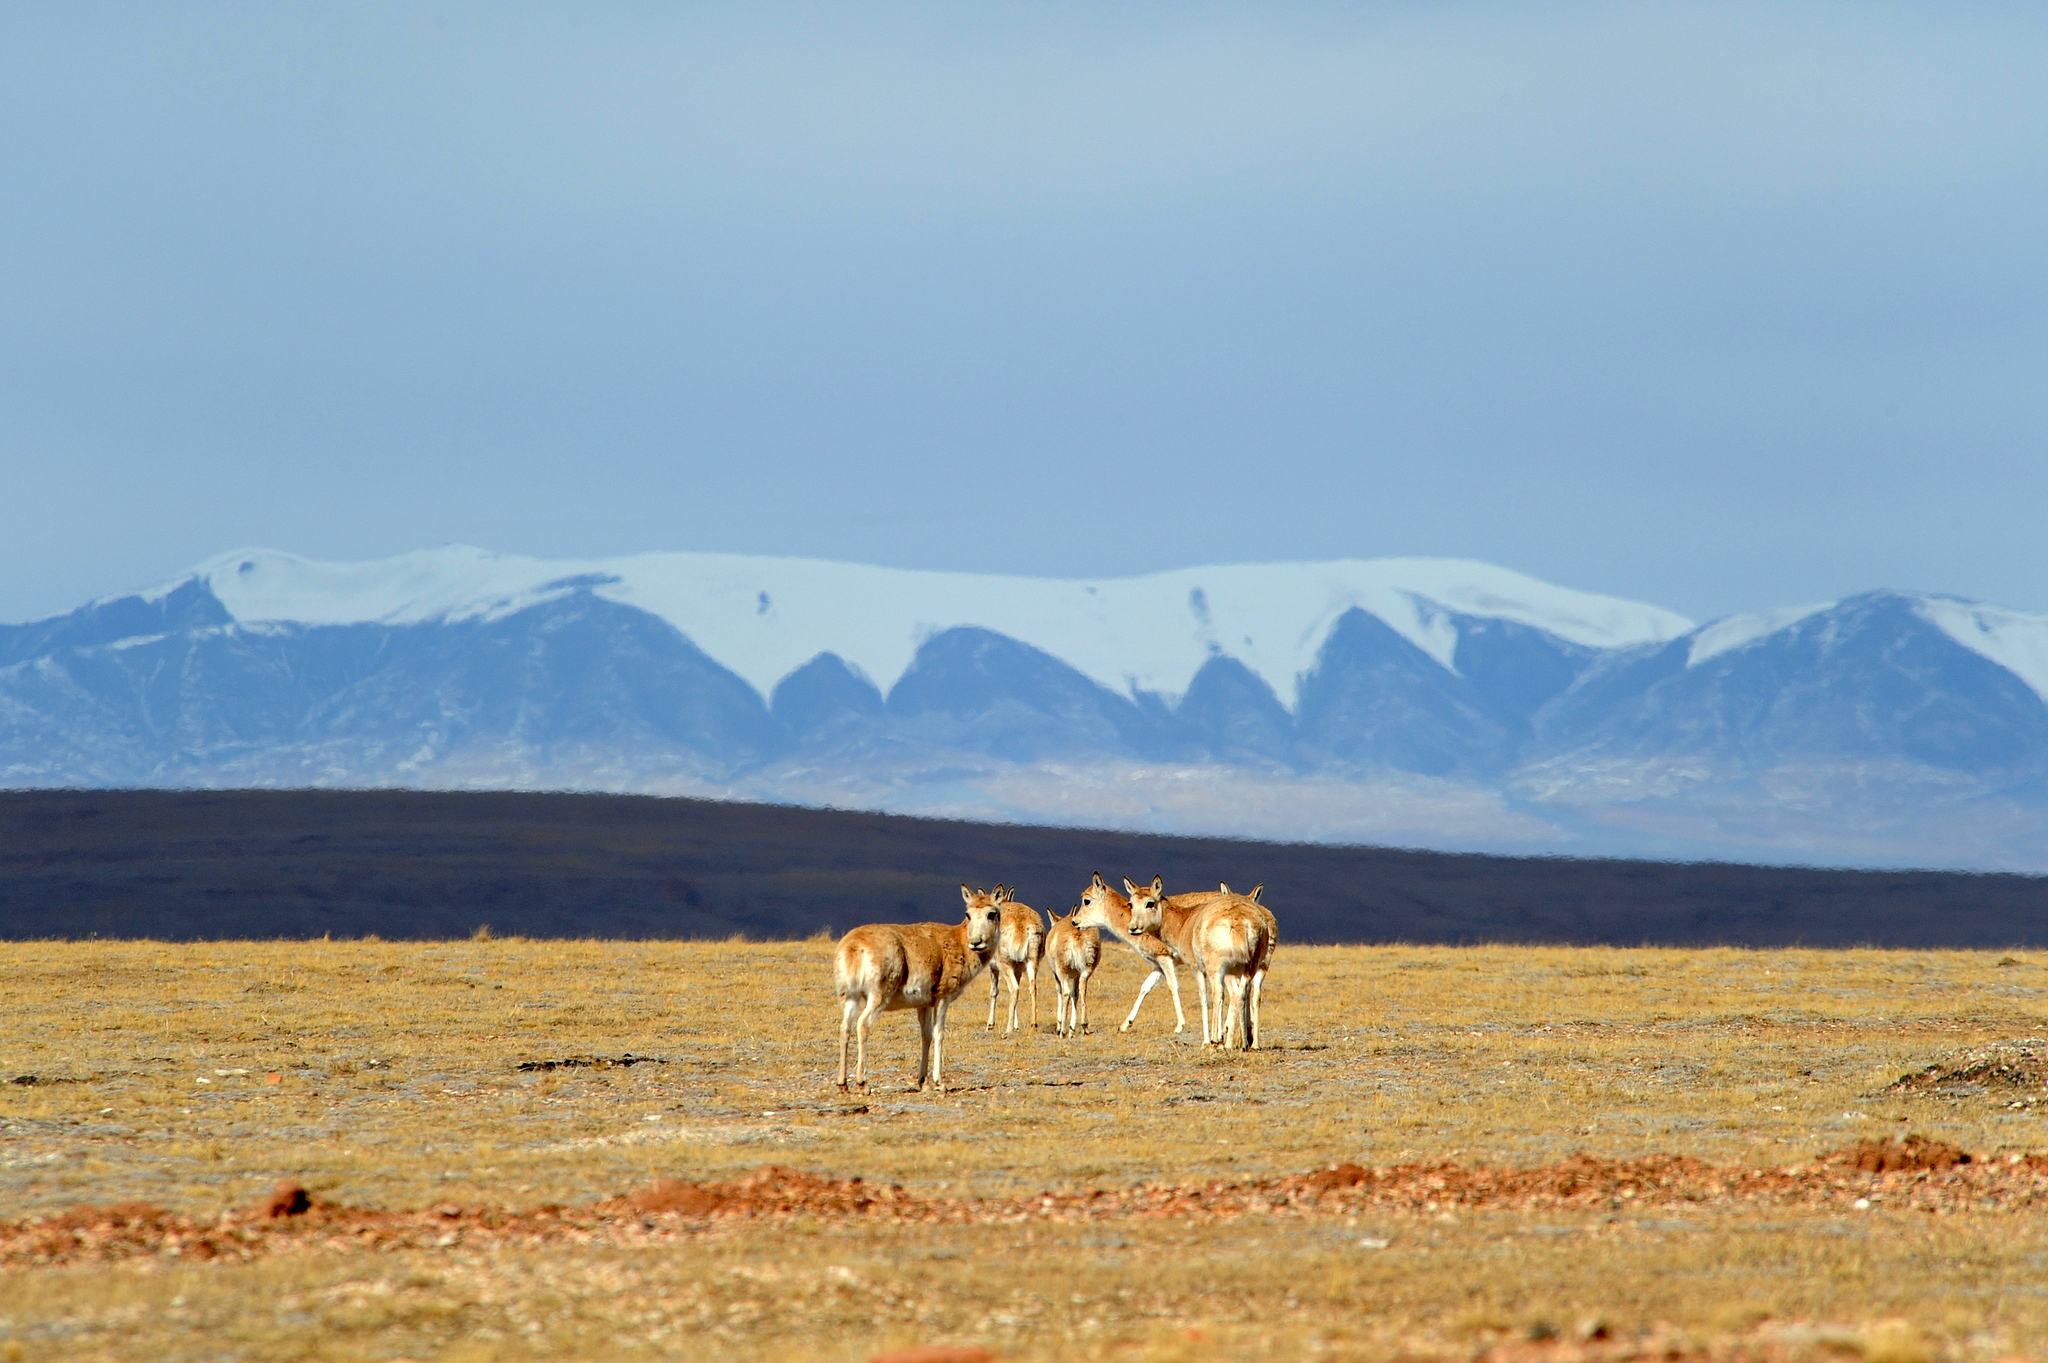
(765, 617)
(1739, 631)
(2015, 640)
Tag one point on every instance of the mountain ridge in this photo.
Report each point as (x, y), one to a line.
(1882, 726)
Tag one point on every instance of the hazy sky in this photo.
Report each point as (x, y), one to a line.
(1717, 307)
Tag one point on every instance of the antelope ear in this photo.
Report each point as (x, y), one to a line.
(1223, 885)
(1254, 895)
(966, 894)
(1001, 893)
(1130, 886)
(1099, 883)
(1158, 885)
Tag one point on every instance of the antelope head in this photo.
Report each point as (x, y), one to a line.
(1102, 907)
(1148, 904)
(984, 918)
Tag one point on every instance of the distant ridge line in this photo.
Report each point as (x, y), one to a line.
(433, 865)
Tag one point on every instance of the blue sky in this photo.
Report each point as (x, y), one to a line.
(1719, 307)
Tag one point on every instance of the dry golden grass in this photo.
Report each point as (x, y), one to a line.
(399, 1086)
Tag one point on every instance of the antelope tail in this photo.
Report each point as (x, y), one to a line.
(842, 977)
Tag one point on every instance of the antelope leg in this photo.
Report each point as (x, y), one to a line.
(1173, 982)
(1150, 980)
(924, 1046)
(862, 1028)
(845, 1030)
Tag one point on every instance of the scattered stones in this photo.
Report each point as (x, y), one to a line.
(594, 1062)
(1978, 1071)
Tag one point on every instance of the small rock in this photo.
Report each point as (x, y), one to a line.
(287, 1199)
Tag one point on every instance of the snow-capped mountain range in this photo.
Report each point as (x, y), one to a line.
(765, 617)
(1420, 701)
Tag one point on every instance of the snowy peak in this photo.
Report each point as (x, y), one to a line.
(1740, 631)
(2014, 640)
(766, 617)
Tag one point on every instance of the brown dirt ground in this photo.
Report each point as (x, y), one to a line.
(1911, 1173)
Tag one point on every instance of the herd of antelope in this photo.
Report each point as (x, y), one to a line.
(1226, 938)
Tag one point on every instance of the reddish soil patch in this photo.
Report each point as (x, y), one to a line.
(1913, 1174)
(1914, 1152)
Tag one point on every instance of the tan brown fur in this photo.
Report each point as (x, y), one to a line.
(1073, 953)
(1227, 939)
(1019, 947)
(890, 967)
(1238, 957)
(1102, 907)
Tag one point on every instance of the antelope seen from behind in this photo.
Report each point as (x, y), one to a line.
(888, 967)
(1019, 946)
(1072, 953)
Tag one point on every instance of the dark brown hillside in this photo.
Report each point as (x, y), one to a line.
(184, 865)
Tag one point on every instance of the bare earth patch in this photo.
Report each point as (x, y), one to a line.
(1913, 1174)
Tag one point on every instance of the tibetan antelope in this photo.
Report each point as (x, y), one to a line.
(1102, 907)
(1228, 938)
(886, 967)
(1019, 947)
(1072, 953)
(1272, 944)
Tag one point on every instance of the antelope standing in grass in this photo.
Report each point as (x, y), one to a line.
(1272, 942)
(1019, 946)
(1072, 953)
(887, 967)
(1226, 937)
(1102, 907)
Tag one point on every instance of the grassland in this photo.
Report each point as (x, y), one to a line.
(399, 1084)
